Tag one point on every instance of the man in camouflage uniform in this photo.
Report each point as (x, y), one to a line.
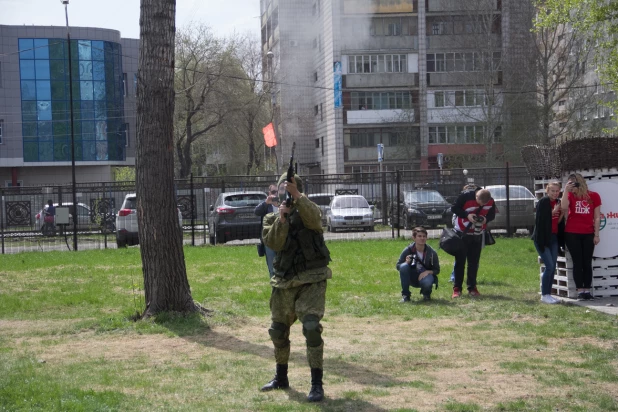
(299, 282)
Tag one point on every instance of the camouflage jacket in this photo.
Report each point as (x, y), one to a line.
(275, 234)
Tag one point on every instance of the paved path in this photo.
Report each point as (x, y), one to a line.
(607, 305)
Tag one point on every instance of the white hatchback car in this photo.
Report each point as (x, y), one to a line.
(349, 212)
(126, 222)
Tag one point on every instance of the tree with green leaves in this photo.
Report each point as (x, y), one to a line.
(595, 19)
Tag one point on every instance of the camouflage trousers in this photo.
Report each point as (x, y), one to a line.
(305, 302)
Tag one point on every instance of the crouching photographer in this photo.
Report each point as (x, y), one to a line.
(418, 266)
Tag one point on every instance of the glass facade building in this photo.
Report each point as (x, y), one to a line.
(98, 98)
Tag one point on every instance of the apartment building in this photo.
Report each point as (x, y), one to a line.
(35, 109)
(434, 81)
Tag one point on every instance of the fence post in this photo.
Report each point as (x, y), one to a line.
(397, 212)
(508, 203)
(2, 217)
(192, 199)
(383, 190)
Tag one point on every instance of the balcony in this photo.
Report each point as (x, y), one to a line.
(462, 78)
(463, 42)
(380, 116)
(373, 7)
(381, 80)
(467, 6)
(350, 42)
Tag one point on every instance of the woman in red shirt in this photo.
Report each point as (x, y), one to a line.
(583, 210)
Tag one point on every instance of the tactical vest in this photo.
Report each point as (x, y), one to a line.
(304, 249)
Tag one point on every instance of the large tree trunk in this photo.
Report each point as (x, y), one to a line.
(165, 278)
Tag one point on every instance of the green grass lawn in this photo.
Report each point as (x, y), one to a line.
(67, 342)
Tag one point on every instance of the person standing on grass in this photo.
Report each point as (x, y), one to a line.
(270, 205)
(418, 266)
(466, 188)
(548, 235)
(474, 209)
(583, 213)
(300, 271)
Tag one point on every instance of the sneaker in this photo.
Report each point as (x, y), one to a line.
(581, 296)
(426, 297)
(548, 299)
(555, 299)
(456, 293)
(452, 279)
(474, 292)
(588, 296)
(404, 299)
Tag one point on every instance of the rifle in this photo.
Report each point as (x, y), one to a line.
(288, 196)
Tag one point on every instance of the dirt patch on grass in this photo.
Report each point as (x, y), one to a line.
(373, 363)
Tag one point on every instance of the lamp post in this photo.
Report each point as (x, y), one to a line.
(273, 104)
(66, 14)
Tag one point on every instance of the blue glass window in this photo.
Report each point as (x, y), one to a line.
(41, 49)
(29, 131)
(99, 90)
(42, 69)
(98, 70)
(26, 69)
(28, 111)
(87, 109)
(85, 70)
(57, 70)
(46, 152)
(45, 131)
(100, 110)
(98, 50)
(28, 90)
(56, 49)
(44, 111)
(86, 90)
(43, 90)
(26, 48)
(85, 51)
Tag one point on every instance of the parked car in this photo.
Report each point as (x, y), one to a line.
(232, 217)
(522, 203)
(349, 212)
(422, 208)
(126, 222)
(87, 220)
(323, 200)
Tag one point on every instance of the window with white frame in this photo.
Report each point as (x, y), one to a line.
(464, 62)
(392, 26)
(439, 99)
(380, 100)
(460, 134)
(382, 63)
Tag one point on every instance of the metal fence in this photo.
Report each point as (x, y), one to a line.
(21, 223)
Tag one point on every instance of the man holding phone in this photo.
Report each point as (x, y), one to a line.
(473, 210)
(270, 205)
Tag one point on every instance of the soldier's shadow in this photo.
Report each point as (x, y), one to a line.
(328, 404)
(222, 341)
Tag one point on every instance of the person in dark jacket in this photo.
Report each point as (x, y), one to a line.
(418, 266)
(548, 235)
(270, 205)
(474, 209)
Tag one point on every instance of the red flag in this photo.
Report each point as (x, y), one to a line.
(269, 135)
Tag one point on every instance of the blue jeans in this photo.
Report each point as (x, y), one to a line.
(550, 257)
(270, 256)
(409, 277)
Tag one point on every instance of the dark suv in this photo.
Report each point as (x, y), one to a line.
(422, 208)
(232, 217)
